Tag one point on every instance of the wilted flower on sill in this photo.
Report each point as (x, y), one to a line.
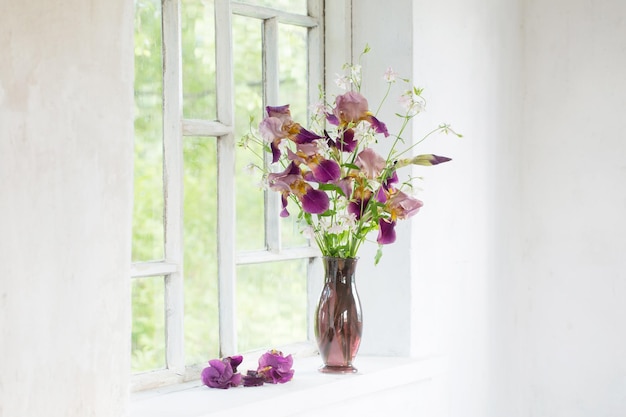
(222, 373)
(275, 368)
(253, 379)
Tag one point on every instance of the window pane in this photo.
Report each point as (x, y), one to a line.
(247, 61)
(200, 258)
(293, 88)
(148, 324)
(293, 6)
(271, 304)
(148, 203)
(198, 44)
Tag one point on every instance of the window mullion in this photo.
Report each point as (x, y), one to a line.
(315, 75)
(226, 180)
(173, 184)
(270, 98)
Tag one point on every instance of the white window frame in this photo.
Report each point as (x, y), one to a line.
(175, 128)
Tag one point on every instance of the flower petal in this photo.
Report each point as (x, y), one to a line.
(347, 143)
(370, 162)
(379, 127)
(275, 368)
(326, 171)
(314, 201)
(350, 107)
(306, 136)
(332, 119)
(386, 232)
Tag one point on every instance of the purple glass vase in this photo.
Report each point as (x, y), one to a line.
(338, 318)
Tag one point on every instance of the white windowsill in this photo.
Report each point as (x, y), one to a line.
(308, 391)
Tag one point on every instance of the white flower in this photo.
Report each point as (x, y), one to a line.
(390, 75)
(249, 169)
(364, 133)
(412, 106)
(318, 109)
(355, 73)
(308, 232)
(342, 82)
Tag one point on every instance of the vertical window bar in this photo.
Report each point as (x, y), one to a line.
(226, 180)
(270, 98)
(315, 69)
(173, 183)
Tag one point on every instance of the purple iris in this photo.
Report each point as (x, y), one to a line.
(357, 207)
(347, 143)
(325, 171)
(403, 205)
(386, 232)
(314, 201)
(306, 136)
(430, 159)
(379, 127)
(275, 368)
(222, 373)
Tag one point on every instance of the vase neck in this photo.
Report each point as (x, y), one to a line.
(340, 269)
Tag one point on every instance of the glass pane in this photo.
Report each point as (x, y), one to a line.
(148, 203)
(148, 324)
(271, 304)
(200, 259)
(198, 44)
(248, 103)
(293, 86)
(292, 6)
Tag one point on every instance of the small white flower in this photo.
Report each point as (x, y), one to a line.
(390, 75)
(318, 109)
(308, 232)
(364, 134)
(355, 73)
(249, 169)
(412, 106)
(342, 82)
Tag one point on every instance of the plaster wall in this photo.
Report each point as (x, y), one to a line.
(467, 56)
(66, 147)
(572, 314)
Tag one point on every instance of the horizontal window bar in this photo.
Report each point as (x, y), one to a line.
(244, 258)
(148, 269)
(259, 12)
(195, 127)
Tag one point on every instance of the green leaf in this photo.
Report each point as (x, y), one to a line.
(351, 166)
(379, 254)
(331, 187)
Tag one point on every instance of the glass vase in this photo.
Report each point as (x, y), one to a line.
(338, 318)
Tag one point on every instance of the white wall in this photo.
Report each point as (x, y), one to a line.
(520, 246)
(65, 207)
(467, 56)
(573, 309)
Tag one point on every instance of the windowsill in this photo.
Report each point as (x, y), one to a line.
(308, 390)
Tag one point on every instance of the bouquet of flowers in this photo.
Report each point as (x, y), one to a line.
(340, 187)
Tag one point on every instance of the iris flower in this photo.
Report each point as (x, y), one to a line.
(291, 181)
(275, 368)
(351, 108)
(222, 373)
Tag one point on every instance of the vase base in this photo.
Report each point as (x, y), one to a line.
(328, 369)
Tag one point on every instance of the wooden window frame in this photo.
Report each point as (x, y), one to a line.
(175, 129)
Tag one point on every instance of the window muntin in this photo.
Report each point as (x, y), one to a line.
(200, 175)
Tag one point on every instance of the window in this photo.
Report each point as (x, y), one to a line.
(214, 266)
